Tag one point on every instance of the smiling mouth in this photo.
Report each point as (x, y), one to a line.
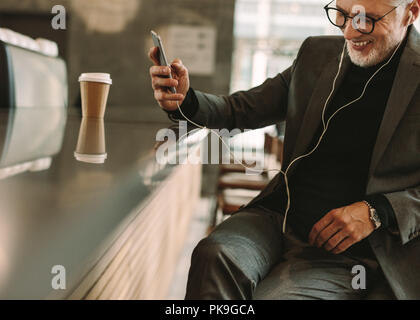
(360, 46)
(361, 43)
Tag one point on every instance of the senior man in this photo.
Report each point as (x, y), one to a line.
(351, 158)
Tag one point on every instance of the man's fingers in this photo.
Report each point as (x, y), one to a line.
(343, 245)
(162, 96)
(159, 71)
(153, 55)
(179, 68)
(335, 240)
(158, 83)
(319, 226)
(326, 234)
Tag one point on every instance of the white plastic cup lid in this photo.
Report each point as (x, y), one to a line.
(96, 77)
(91, 158)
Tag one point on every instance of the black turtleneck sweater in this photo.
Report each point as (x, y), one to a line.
(335, 175)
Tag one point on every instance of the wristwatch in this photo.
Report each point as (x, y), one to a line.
(373, 215)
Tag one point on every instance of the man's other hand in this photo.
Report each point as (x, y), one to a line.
(342, 227)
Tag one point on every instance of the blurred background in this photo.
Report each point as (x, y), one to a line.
(245, 40)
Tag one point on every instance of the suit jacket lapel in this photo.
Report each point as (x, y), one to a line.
(313, 114)
(404, 87)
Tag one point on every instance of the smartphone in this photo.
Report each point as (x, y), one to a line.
(157, 41)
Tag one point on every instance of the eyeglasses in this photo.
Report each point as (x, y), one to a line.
(364, 25)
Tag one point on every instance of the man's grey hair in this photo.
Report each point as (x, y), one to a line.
(400, 2)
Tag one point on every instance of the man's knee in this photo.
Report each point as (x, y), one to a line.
(208, 251)
(216, 273)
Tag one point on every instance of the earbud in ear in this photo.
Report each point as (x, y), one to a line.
(410, 17)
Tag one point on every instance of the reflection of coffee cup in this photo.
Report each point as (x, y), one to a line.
(94, 88)
(91, 143)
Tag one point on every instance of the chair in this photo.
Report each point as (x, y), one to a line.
(236, 188)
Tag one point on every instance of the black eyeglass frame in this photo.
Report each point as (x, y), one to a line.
(346, 17)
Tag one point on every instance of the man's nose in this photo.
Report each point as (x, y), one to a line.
(349, 31)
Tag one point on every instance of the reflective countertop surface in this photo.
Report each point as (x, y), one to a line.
(57, 210)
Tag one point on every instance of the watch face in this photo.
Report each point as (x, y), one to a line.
(375, 218)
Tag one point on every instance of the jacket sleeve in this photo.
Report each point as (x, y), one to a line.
(256, 108)
(406, 205)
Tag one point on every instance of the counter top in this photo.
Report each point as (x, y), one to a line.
(56, 210)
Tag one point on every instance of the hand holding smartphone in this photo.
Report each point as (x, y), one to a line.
(157, 41)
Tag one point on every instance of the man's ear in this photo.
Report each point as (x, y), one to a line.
(413, 12)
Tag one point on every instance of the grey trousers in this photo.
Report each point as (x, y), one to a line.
(248, 257)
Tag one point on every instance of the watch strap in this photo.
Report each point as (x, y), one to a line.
(373, 215)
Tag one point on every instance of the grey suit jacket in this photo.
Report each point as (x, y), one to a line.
(298, 95)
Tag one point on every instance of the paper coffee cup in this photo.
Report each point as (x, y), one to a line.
(91, 143)
(94, 88)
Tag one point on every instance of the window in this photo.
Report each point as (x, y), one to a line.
(268, 35)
